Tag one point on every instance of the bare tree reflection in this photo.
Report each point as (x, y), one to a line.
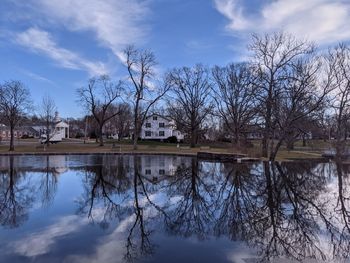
(192, 211)
(235, 201)
(48, 183)
(105, 184)
(139, 225)
(16, 196)
(342, 247)
(287, 218)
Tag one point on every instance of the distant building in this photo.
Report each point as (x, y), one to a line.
(157, 127)
(60, 128)
(20, 132)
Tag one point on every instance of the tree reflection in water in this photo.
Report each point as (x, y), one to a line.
(283, 210)
(19, 190)
(121, 192)
(342, 210)
(16, 196)
(192, 210)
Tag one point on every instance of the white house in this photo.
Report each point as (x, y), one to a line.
(157, 127)
(59, 129)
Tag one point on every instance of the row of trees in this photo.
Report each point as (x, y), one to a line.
(285, 85)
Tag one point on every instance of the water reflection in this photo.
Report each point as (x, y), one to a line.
(279, 212)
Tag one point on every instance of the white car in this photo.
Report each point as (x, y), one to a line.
(56, 138)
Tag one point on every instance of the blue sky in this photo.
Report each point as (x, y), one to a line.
(55, 46)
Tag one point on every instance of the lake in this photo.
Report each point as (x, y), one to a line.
(153, 208)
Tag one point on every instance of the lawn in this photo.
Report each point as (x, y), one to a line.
(314, 149)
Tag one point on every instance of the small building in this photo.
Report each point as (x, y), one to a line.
(61, 127)
(157, 127)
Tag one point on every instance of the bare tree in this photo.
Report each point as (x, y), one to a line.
(98, 98)
(14, 104)
(338, 63)
(190, 102)
(123, 120)
(47, 112)
(302, 96)
(234, 96)
(274, 55)
(141, 66)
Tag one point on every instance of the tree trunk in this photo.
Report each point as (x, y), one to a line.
(136, 135)
(47, 135)
(12, 139)
(275, 150)
(101, 135)
(236, 137)
(290, 144)
(264, 143)
(193, 139)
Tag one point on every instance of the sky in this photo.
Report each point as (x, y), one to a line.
(55, 46)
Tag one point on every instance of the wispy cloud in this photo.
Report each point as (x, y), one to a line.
(36, 76)
(42, 42)
(113, 23)
(323, 21)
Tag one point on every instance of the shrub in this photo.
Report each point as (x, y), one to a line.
(171, 139)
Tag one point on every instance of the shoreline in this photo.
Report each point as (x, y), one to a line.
(206, 152)
(207, 155)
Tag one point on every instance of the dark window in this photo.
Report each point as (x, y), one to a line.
(155, 118)
(161, 133)
(148, 171)
(148, 134)
(148, 125)
(161, 172)
(161, 125)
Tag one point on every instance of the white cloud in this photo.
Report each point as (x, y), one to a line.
(114, 23)
(323, 21)
(232, 10)
(40, 243)
(40, 41)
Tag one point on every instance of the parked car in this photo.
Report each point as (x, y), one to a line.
(56, 138)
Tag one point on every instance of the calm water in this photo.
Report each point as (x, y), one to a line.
(172, 209)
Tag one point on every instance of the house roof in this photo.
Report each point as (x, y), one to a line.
(162, 116)
(61, 124)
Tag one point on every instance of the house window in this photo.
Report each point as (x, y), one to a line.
(148, 133)
(161, 125)
(148, 171)
(155, 118)
(161, 133)
(161, 172)
(148, 125)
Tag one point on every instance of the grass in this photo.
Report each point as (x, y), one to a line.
(313, 150)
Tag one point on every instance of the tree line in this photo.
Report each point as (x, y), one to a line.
(285, 85)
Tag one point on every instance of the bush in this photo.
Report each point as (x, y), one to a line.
(171, 139)
(26, 136)
(79, 135)
(93, 135)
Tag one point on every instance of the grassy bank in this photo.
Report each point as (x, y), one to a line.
(77, 146)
